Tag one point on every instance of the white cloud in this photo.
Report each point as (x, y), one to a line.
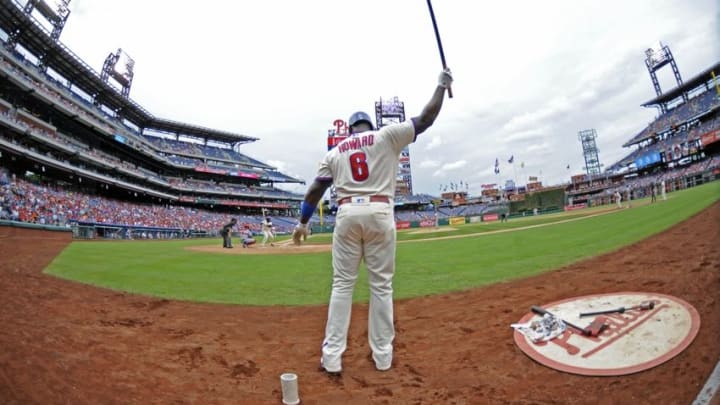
(435, 141)
(280, 165)
(535, 148)
(556, 106)
(429, 164)
(450, 167)
(526, 135)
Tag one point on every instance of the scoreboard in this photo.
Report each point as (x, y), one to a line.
(338, 133)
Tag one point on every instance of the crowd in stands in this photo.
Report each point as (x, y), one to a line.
(427, 212)
(674, 145)
(678, 115)
(204, 151)
(49, 204)
(25, 201)
(12, 118)
(641, 187)
(415, 199)
(54, 91)
(22, 200)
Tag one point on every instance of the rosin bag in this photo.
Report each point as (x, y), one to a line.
(541, 330)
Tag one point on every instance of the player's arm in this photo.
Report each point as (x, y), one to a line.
(312, 198)
(432, 108)
(307, 208)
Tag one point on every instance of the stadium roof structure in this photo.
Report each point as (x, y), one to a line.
(198, 131)
(36, 39)
(694, 82)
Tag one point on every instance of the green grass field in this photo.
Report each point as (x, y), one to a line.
(531, 245)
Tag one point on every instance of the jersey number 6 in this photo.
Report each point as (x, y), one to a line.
(359, 166)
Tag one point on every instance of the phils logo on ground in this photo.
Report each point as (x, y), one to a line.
(628, 332)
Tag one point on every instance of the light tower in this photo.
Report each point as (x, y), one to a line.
(655, 59)
(120, 66)
(55, 12)
(392, 111)
(590, 151)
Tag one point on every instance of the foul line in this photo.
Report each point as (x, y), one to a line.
(710, 388)
(610, 211)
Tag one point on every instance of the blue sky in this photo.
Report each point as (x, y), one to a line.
(528, 75)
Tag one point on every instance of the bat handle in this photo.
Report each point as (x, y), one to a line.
(620, 310)
(538, 310)
(449, 89)
(541, 311)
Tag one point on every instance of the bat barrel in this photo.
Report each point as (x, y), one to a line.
(608, 311)
(439, 42)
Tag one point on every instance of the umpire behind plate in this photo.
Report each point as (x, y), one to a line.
(363, 169)
(226, 233)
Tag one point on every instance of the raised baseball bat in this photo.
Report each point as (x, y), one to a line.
(439, 43)
(541, 311)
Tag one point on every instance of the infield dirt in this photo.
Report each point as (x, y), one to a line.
(65, 342)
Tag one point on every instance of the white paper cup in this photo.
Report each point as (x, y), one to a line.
(289, 382)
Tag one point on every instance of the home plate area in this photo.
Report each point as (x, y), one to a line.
(639, 331)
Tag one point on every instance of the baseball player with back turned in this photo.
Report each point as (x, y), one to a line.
(363, 169)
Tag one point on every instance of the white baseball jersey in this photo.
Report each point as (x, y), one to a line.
(267, 231)
(366, 163)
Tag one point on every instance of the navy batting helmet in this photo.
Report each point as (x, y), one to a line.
(358, 117)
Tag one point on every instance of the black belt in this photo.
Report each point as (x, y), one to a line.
(373, 198)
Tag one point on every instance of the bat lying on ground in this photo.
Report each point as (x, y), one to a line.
(645, 305)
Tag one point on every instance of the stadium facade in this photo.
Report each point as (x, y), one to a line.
(680, 148)
(71, 127)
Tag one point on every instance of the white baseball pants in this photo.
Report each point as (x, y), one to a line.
(362, 231)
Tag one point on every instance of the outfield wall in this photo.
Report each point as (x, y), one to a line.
(13, 229)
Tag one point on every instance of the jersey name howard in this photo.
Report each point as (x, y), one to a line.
(354, 143)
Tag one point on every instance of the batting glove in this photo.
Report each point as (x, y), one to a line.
(445, 79)
(300, 233)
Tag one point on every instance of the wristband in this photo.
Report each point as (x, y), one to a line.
(306, 211)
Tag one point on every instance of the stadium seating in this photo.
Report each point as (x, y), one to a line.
(21, 200)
